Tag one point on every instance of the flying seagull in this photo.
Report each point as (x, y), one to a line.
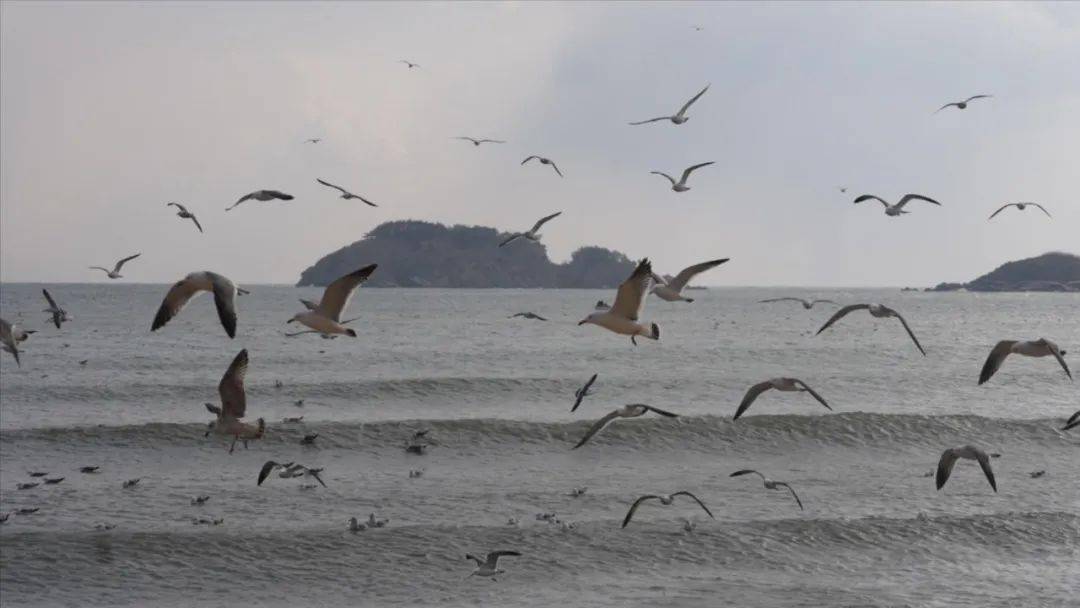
(805, 304)
(234, 405)
(8, 340)
(1072, 422)
(680, 186)
(544, 161)
(770, 484)
(581, 393)
(961, 105)
(876, 310)
(289, 470)
(185, 214)
(192, 285)
(313, 140)
(951, 455)
(489, 566)
(409, 63)
(345, 194)
(1019, 207)
(633, 410)
(1031, 348)
(59, 315)
(477, 142)
(898, 208)
(533, 234)
(664, 500)
(115, 272)
(262, 195)
(326, 317)
(780, 384)
(671, 290)
(680, 117)
(529, 315)
(622, 317)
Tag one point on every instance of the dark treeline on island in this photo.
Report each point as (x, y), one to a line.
(1054, 271)
(424, 254)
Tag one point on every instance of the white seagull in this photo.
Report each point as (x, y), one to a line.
(477, 142)
(770, 484)
(671, 290)
(680, 186)
(1019, 207)
(622, 317)
(185, 214)
(533, 234)
(951, 455)
(59, 315)
(234, 405)
(961, 105)
(192, 285)
(1030, 348)
(326, 317)
(876, 310)
(262, 195)
(544, 161)
(680, 117)
(489, 566)
(664, 500)
(780, 384)
(345, 194)
(898, 208)
(581, 393)
(115, 272)
(289, 470)
(633, 410)
(8, 340)
(807, 304)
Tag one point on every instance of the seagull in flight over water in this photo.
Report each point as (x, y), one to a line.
(581, 393)
(533, 234)
(962, 105)
(680, 186)
(898, 208)
(185, 214)
(807, 304)
(544, 161)
(59, 315)
(262, 195)
(622, 317)
(680, 117)
(192, 285)
(633, 410)
(878, 311)
(671, 290)
(233, 406)
(1019, 207)
(326, 317)
(770, 484)
(780, 384)
(1031, 348)
(664, 500)
(115, 272)
(345, 194)
(529, 315)
(489, 566)
(951, 455)
(477, 142)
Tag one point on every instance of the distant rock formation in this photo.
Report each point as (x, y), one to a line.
(1055, 271)
(424, 254)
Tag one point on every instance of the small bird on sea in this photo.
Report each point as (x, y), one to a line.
(37, 473)
(234, 406)
(622, 317)
(780, 384)
(671, 289)
(52, 481)
(115, 272)
(898, 208)
(680, 186)
(298, 403)
(680, 117)
(807, 304)
(356, 526)
(528, 315)
(576, 492)
(581, 393)
(477, 142)
(200, 500)
(601, 305)
(951, 455)
(1037, 474)
(770, 484)
(27, 485)
(345, 194)
(183, 213)
(59, 315)
(416, 473)
(876, 310)
(27, 510)
(664, 500)
(88, 469)
(376, 523)
(544, 161)
(326, 318)
(292, 420)
(962, 105)
(533, 234)
(633, 410)
(309, 439)
(1019, 207)
(195, 284)
(262, 195)
(489, 566)
(1030, 348)
(131, 483)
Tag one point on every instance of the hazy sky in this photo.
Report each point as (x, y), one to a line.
(108, 111)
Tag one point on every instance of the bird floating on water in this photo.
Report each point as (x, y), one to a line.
(533, 234)
(633, 410)
(680, 117)
(664, 500)
(52, 481)
(671, 289)
(780, 384)
(680, 186)
(1030, 348)
(183, 213)
(131, 483)
(309, 439)
(192, 285)
(898, 208)
(770, 484)
(876, 310)
(951, 455)
(622, 317)
(115, 272)
(200, 500)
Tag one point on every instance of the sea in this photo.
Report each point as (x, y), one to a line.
(494, 394)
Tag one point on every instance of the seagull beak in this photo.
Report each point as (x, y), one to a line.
(582, 322)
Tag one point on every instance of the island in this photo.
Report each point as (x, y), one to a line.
(414, 253)
(1054, 271)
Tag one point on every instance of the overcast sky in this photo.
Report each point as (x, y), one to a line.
(108, 111)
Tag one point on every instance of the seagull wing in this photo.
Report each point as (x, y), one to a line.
(309, 304)
(669, 178)
(337, 295)
(582, 392)
(197, 224)
(690, 272)
(264, 472)
(528, 159)
(657, 410)
(225, 302)
(1057, 355)
(691, 169)
(696, 499)
(630, 298)
(177, 297)
(556, 167)
(278, 195)
(511, 238)
(651, 120)
(213, 409)
(984, 463)
(544, 220)
(493, 557)
(746, 472)
(246, 197)
(973, 97)
(1002, 208)
(595, 428)
(338, 188)
(52, 302)
(315, 474)
(231, 387)
(945, 467)
(1043, 209)
(121, 263)
(995, 359)
(870, 197)
(682, 110)
(750, 396)
(634, 507)
(909, 332)
(467, 139)
(782, 300)
(955, 103)
(821, 302)
(813, 393)
(178, 206)
(841, 314)
(491, 141)
(793, 494)
(915, 197)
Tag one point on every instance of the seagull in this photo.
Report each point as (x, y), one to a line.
(416, 473)
(288, 469)
(192, 285)
(345, 194)
(37, 473)
(533, 234)
(313, 140)
(664, 500)
(27, 510)
(309, 439)
(622, 317)
(770, 484)
(581, 393)
(489, 566)
(1019, 207)
(292, 420)
(577, 492)
(8, 340)
(876, 310)
(200, 500)
(262, 195)
(356, 526)
(805, 304)
(477, 142)
(544, 161)
(376, 523)
(409, 63)
(601, 305)
(950, 456)
(59, 315)
(299, 403)
(185, 214)
(1072, 422)
(898, 208)
(961, 105)
(131, 483)
(529, 315)
(326, 317)
(88, 469)
(671, 290)
(627, 411)
(1037, 474)
(27, 486)
(843, 189)
(680, 186)
(115, 272)
(234, 405)
(52, 481)
(1031, 348)
(780, 384)
(680, 117)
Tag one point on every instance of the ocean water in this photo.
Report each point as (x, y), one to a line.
(495, 394)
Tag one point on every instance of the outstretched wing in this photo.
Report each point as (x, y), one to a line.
(973, 97)
(683, 109)
(1002, 208)
(690, 272)
(580, 394)
(528, 159)
(264, 472)
(696, 499)
(750, 396)
(225, 302)
(177, 205)
(231, 387)
(1057, 355)
(595, 428)
(840, 314)
(556, 167)
(513, 237)
(215, 410)
(691, 169)
(1073, 421)
(870, 197)
(813, 393)
(955, 103)
(634, 508)
(821, 302)
(651, 120)
(337, 295)
(121, 263)
(197, 224)
(545, 220)
(781, 300)
(746, 472)
(995, 359)
(984, 463)
(945, 467)
(52, 302)
(657, 410)
(630, 298)
(328, 184)
(915, 197)
(177, 297)
(793, 494)
(669, 178)
(909, 332)
(1042, 209)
